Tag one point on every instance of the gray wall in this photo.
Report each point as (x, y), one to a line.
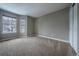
(0, 24)
(78, 29)
(54, 25)
(9, 35)
(31, 26)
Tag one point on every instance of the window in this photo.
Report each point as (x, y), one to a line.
(9, 24)
(22, 25)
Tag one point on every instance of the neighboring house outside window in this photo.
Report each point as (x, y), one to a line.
(9, 24)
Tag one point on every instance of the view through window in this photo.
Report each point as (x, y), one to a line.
(22, 25)
(9, 24)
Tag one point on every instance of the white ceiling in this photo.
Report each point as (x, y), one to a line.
(33, 9)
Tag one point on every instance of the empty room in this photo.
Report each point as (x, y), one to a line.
(39, 29)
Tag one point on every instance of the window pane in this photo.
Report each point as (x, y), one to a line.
(9, 24)
(22, 25)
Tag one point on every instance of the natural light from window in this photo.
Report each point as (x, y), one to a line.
(9, 24)
(22, 25)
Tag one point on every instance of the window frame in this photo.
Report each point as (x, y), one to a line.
(22, 25)
(10, 24)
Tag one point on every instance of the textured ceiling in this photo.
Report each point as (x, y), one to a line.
(33, 9)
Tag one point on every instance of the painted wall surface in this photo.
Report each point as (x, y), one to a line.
(0, 24)
(9, 35)
(30, 26)
(54, 25)
(78, 28)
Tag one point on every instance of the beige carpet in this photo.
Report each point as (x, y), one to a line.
(35, 46)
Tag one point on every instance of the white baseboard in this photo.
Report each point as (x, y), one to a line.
(54, 38)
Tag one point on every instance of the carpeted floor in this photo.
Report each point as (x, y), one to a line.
(35, 46)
